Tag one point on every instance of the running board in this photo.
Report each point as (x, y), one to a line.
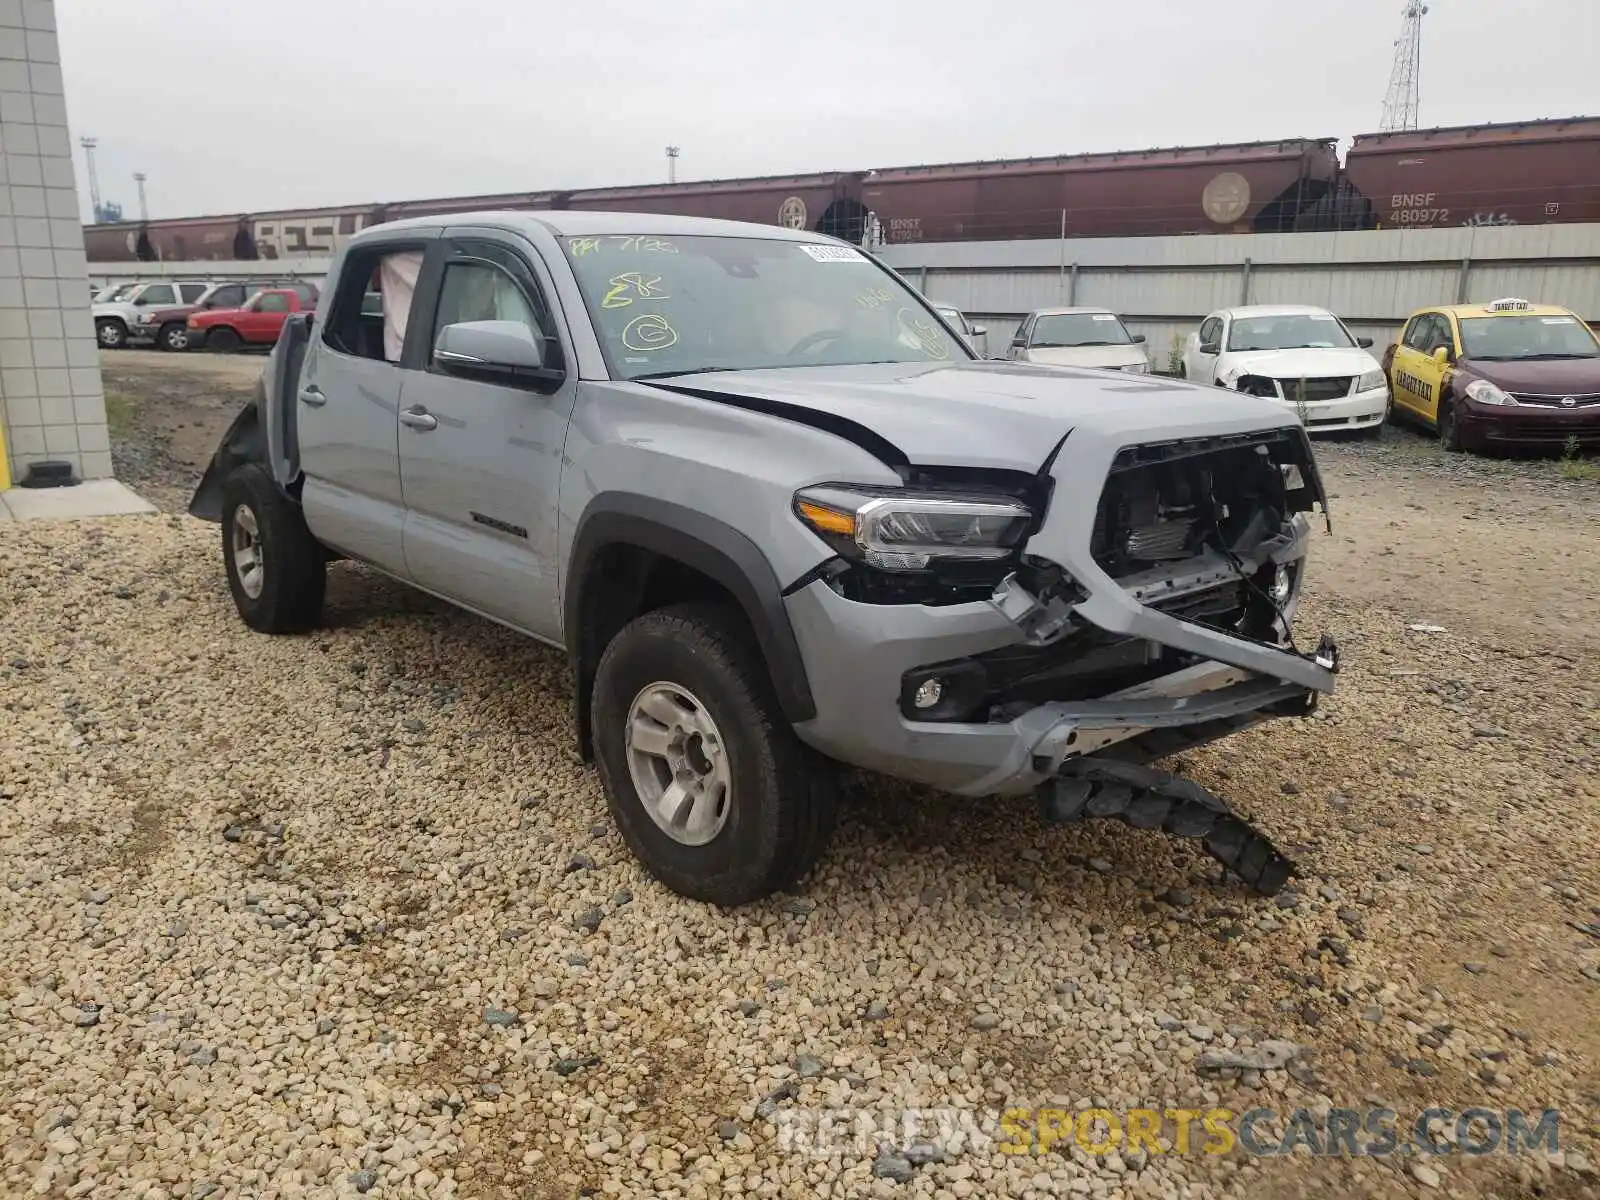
(1149, 799)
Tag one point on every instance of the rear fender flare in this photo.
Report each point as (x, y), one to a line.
(705, 544)
(245, 442)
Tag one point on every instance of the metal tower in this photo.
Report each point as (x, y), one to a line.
(672, 164)
(139, 178)
(88, 145)
(1404, 98)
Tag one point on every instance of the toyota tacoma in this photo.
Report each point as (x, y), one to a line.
(782, 519)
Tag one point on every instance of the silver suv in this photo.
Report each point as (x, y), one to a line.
(782, 519)
(115, 319)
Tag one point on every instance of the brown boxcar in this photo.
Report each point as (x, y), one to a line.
(181, 240)
(307, 232)
(513, 201)
(1213, 189)
(828, 203)
(1528, 173)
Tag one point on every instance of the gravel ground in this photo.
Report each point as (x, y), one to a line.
(324, 915)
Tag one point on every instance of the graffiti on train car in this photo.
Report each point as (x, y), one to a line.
(308, 234)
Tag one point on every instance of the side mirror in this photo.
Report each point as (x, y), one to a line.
(980, 331)
(496, 351)
(1442, 355)
(1364, 343)
(1138, 339)
(1210, 347)
(1019, 341)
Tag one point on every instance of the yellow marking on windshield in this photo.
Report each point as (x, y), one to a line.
(649, 332)
(644, 289)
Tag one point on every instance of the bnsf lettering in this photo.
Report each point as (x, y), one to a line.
(1416, 208)
(905, 229)
(1417, 387)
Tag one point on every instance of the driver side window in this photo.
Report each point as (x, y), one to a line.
(1210, 330)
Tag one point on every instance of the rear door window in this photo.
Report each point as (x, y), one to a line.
(370, 309)
(191, 291)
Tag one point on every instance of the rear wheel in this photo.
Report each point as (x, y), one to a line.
(708, 785)
(174, 335)
(222, 340)
(111, 333)
(277, 571)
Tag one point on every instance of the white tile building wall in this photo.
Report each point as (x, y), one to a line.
(51, 401)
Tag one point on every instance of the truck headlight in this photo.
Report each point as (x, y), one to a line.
(1369, 381)
(906, 531)
(1485, 392)
(1137, 369)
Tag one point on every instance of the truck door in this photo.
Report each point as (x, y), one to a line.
(480, 461)
(346, 411)
(262, 321)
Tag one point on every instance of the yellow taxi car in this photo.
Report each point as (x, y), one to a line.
(1508, 374)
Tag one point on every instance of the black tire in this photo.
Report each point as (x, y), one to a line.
(293, 567)
(1449, 426)
(174, 336)
(223, 340)
(111, 333)
(783, 795)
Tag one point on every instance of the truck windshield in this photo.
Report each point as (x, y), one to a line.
(1293, 331)
(665, 305)
(1078, 329)
(1512, 338)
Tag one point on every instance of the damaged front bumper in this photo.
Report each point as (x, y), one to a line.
(1125, 668)
(872, 648)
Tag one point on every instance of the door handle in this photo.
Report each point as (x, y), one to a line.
(419, 418)
(313, 395)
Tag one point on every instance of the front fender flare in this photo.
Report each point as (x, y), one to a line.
(709, 546)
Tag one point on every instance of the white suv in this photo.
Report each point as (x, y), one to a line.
(114, 320)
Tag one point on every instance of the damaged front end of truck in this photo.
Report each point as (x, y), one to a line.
(1148, 610)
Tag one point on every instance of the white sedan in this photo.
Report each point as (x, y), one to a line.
(1301, 356)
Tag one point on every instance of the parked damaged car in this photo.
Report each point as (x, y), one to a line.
(1298, 355)
(783, 520)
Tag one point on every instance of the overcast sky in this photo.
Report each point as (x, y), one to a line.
(230, 106)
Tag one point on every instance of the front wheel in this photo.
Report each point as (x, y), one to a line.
(111, 333)
(222, 340)
(1449, 426)
(173, 336)
(706, 782)
(277, 570)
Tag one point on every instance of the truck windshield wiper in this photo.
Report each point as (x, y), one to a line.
(676, 374)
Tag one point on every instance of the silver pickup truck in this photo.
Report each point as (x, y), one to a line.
(782, 519)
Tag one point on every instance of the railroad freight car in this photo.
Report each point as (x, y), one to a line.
(513, 201)
(187, 239)
(826, 203)
(298, 233)
(1246, 188)
(1533, 173)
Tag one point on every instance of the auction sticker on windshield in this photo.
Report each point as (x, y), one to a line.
(834, 253)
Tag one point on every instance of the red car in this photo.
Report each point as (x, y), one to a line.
(258, 323)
